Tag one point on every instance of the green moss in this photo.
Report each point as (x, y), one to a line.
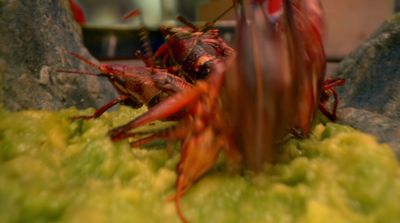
(52, 169)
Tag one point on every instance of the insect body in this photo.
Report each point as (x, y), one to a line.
(194, 51)
(281, 66)
(136, 86)
(188, 51)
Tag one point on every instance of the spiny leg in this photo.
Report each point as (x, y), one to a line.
(165, 109)
(173, 133)
(329, 89)
(322, 105)
(199, 154)
(104, 108)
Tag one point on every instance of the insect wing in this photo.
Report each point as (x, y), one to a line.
(260, 88)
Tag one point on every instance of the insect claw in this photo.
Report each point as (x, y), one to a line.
(117, 134)
(142, 141)
(297, 133)
(182, 185)
(170, 198)
(176, 198)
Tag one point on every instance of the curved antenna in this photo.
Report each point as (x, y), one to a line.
(77, 72)
(212, 23)
(186, 22)
(207, 25)
(83, 59)
(132, 13)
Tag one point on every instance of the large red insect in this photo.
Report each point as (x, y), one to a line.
(281, 66)
(275, 88)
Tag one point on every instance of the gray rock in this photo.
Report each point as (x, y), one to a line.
(370, 99)
(385, 129)
(34, 35)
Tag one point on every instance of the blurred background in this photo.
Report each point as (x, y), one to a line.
(348, 23)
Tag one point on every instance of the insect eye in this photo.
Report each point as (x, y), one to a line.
(120, 80)
(103, 75)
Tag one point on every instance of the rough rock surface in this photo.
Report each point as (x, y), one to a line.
(370, 99)
(385, 129)
(34, 35)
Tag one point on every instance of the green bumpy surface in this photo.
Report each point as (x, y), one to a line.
(55, 170)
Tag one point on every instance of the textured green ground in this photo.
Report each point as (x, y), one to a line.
(52, 169)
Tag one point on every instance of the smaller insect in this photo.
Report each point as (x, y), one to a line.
(189, 51)
(194, 50)
(135, 85)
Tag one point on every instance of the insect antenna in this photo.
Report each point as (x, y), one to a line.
(212, 23)
(83, 59)
(186, 22)
(77, 72)
(133, 13)
(207, 25)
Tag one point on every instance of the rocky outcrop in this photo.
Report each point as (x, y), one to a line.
(34, 35)
(370, 99)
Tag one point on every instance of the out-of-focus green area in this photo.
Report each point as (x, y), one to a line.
(52, 169)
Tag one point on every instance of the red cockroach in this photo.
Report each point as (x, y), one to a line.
(194, 50)
(281, 66)
(190, 51)
(136, 85)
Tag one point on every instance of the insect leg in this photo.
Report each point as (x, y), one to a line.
(169, 107)
(101, 110)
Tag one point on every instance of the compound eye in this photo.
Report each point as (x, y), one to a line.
(102, 74)
(104, 68)
(120, 80)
